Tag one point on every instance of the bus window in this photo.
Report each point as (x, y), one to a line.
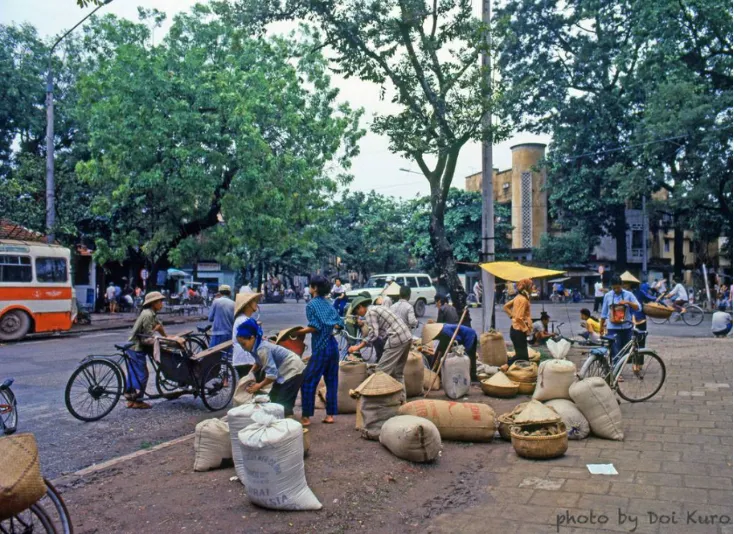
(51, 270)
(15, 269)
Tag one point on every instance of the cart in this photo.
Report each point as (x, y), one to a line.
(95, 387)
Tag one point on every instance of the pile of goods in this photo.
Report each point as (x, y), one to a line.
(380, 396)
(538, 432)
(455, 373)
(506, 420)
(525, 374)
(500, 386)
(458, 421)
(411, 438)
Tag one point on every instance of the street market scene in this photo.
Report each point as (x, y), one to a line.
(402, 266)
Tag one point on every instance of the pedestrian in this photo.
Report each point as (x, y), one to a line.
(382, 323)
(221, 315)
(110, 297)
(518, 309)
(145, 326)
(446, 312)
(281, 367)
(444, 332)
(245, 307)
(322, 319)
(297, 292)
(721, 322)
(339, 294)
(477, 290)
(204, 292)
(540, 329)
(617, 310)
(598, 295)
(404, 309)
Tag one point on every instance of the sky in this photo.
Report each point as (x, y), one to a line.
(376, 168)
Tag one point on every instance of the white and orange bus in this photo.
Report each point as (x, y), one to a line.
(35, 288)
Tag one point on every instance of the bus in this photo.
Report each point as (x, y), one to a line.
(36, 292)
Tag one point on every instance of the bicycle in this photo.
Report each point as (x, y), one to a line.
(691, 314)
(198, 341)
(620, 371)
(8, 408)
(95, 387)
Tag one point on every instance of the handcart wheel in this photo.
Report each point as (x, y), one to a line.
(93, 390)
(165, 386)
(218, 385)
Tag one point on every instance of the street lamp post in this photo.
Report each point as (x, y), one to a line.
(50, 183)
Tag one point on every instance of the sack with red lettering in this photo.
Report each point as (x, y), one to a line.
(458, 421)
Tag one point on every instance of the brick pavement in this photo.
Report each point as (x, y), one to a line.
(675, 464)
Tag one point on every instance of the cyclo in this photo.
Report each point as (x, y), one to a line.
(95, 387)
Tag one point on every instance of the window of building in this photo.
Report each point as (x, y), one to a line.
(81, 270)
(636, 238)
(15, 269)
(51, 270)
(666, 245)
(690, 246)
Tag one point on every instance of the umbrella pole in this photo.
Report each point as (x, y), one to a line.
(443, 356)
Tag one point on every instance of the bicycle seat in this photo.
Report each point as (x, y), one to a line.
(609, 339)
(204, 329)
(124, 346)
(7, 383)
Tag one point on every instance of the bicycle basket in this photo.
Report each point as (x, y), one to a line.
(657, 311)
(21, 483)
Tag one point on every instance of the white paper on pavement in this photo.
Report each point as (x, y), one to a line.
(601, 469)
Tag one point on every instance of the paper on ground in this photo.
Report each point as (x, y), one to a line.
(601, 469)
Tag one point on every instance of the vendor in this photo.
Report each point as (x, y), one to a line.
(383, 323)
(518, 309)
(145, 326)
(245, 307)
(444, 332)
(282, 368)
(540, 329)
(617, 311)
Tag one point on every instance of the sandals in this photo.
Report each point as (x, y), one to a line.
(139, 405)
(327, 422)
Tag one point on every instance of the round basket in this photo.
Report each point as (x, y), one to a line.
(505, 423)
(500, 391)
(540, 447)
(525, 388)
(657, 311)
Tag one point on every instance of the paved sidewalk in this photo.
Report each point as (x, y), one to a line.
(675, 475)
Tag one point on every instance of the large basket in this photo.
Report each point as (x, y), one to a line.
(499, 391)
(21, 483)
(657, 311)
(540, 447)
(505, 423)
(525, 388)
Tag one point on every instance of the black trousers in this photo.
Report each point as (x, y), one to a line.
(597, 303)
(285, 394)
(520, 342)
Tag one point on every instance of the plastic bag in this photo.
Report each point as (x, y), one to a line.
(558, 349)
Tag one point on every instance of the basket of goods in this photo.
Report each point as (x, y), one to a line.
(506, 420)
(525, 374)
(657, 310)
(499, 386)
(540, 442)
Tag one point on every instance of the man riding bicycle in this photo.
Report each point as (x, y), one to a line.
(678, 295)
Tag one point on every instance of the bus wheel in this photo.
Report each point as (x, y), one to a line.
(14, 325)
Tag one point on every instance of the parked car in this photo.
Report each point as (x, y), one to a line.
(422, 290)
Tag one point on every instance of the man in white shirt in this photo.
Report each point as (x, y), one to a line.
(110, 295)
(721, 323)
(598, 295)
(678, 294)
(404, 309)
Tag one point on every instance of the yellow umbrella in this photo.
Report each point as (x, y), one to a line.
(514, 272)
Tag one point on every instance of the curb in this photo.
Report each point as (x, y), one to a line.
(121, 326)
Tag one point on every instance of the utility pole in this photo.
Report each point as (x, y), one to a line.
(50, 180)
(487, 186)
(645, 233)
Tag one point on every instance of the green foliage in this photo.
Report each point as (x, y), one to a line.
(562, 251)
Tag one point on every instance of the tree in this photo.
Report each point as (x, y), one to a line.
(463, 228)
(562, 251)
(426, 54)
(208, 125)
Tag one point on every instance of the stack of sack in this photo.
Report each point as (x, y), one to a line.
(380, 396)
(458, 421)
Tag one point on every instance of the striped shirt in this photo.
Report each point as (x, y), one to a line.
(323, 318)
(405, 311)
(383, 323)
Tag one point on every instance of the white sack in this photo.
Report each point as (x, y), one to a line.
(240, 418)
(272, 450)
(211, 444)
(558, 349)
(597, 402)
(455, 377)
(554, 379)
(577, 426)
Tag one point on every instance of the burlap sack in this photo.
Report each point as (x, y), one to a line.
(493, 350)
(411, 438)
(351, 375)
(431, 380)
(521, 371)
(577, 426)
(21, 482)
(596, 400)
(413, 374)
(375, 410)
(459, 421)
(211, 444)
(554, 379)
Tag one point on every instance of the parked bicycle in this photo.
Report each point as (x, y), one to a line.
(95, 387)
(635, 373)
(8, 408)
(691, 314)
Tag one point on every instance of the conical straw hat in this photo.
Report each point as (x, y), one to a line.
(288, 332)
(377, 384)
(243, 299)
(629, 277)
(393, 290)
(536, 413)
(430, 332)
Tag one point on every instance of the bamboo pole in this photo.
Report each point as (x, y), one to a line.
(443, 356)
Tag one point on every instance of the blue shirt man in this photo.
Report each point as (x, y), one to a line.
(221, 315)
(617, 309)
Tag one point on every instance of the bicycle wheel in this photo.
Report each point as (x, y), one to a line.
(93, 390)
(8, 412)
(595, 366)
(693, 316)
(638, 386)
(31, 521)
(658, 320)
(218, 385)
(55, 508)
(194, 344)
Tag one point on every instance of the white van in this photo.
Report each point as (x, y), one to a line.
(422, 291)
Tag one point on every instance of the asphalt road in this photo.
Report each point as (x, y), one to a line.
(41, 368)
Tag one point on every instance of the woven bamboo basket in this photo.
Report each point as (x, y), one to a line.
(21, 482)
(540, 447)
(505, 423)
(658, 311)
(500, 391)
(525, 388)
